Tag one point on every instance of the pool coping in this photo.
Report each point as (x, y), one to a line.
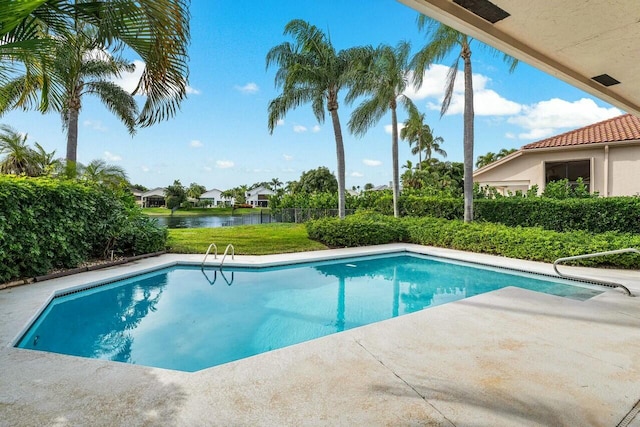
(317, 365)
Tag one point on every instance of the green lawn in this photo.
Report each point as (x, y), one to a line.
(202, 211)
(261, 239)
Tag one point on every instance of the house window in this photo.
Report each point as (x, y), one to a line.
(555, 171)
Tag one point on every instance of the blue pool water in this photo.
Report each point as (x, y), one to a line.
(188, 319)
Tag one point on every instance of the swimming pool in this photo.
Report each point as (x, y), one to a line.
(188, 319)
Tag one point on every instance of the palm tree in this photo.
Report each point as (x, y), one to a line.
(383, 84)
(157, 30)
(486, 159)
(84, 69)
(19, 157)
(275, 183)
(100, 172)
(408, 166)
(445, 40)
(505, 152)
(311, 71)
(411, 131)
(45, 161)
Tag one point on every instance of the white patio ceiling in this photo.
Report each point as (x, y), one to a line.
(574, 40)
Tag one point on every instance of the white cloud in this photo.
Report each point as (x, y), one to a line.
(207, 168)
(486, 102)
(357, 174)
(224, 164)
(250, 88)
(299, 129)
(370, 162)
(388, 128)
(546, 118)
(510, 135)
(129, 81)
(280, 122)
(315, 129)
(95, 125)
(110, 157)
(287, 157)
(196, 144)
(192, 91)
(145, 169)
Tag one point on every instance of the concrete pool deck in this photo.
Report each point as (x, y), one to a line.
(511, 357)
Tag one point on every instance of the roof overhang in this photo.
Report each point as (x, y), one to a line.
(574, 41)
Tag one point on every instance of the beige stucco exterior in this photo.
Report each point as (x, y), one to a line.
(615, 168)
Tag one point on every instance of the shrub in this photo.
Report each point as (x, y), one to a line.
(47, 224)
(357, 230)
(532, 243)
(140, 235)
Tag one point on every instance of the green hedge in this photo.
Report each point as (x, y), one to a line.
(360, 229)
(48, 224)
(532, 243)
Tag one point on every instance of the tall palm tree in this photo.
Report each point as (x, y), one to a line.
(100, 172)
(445, 40)
(411, 131)
(156, 30)
(18, 156)
(429, 144)
(383, 85)
(83, 68)
(311, 71)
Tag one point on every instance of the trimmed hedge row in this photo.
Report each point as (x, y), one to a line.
(360, 229)
(47, 224)
(532, 243)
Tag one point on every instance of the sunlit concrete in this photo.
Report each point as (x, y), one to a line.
(508, 357)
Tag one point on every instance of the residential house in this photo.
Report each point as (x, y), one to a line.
(214, 198)
(259, 196)
(153, 198)
(137, 195)
(606, 155)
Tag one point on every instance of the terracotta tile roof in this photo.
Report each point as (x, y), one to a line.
(621, 128)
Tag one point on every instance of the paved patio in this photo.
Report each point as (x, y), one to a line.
(511, 357)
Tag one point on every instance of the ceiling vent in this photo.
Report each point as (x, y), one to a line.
(605, 80)
(484, 9)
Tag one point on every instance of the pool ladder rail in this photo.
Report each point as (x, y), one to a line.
(593, 255)
(215, 253)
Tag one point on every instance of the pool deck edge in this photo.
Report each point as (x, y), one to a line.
(509, 357)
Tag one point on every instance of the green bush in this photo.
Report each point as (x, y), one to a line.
(140, 235)
(48, 224)
(360, 229)
(532, 243)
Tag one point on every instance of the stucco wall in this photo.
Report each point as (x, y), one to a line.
(623, 174)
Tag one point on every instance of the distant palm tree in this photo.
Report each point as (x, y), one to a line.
(275, 183)
(311, 71)
(383, 84)
(32, 31)
(444, 41)
(505, 152)
(486, 159)
(411, 131)
(100, 172)
(408, 165)
(45, 161)
(18, 156)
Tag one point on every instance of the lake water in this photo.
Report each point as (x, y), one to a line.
(213, 221)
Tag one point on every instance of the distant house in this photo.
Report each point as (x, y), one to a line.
(606, 155)
(137, 195)
(153, 198)
(259, 196)
(214, 198)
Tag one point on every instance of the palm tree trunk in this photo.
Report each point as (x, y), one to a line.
(337, 131)
(468, 135)
(72, 140)
(394, 159)
(419, 154)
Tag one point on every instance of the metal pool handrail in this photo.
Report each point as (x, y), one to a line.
(233, 253)
(593, 255)
(215, 255)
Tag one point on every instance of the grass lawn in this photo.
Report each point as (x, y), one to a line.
(202, 211)
(261, 239)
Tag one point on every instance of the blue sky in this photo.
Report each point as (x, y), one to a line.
(220, 138)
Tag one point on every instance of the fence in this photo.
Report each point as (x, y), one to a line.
(300, 215)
